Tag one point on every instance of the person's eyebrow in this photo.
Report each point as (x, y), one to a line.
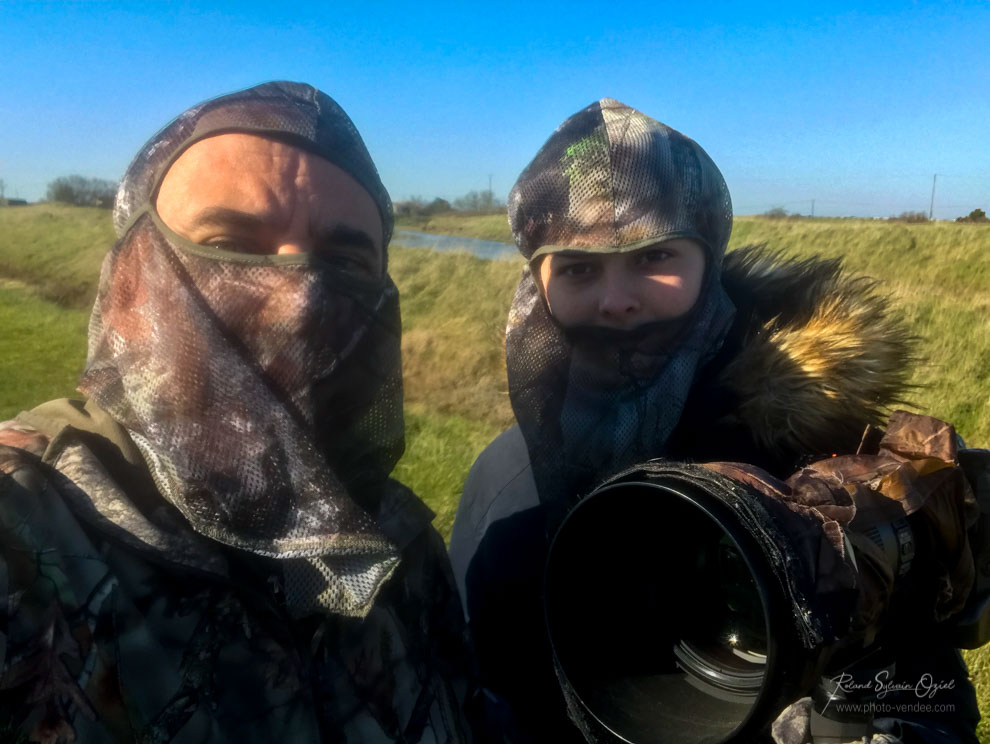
(575, 254)
(225, 216)
(338, 235)
(351, 240)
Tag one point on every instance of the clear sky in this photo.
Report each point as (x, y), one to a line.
(855, 106)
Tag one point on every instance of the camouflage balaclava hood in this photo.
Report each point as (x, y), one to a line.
(264, 392)
(591, 402)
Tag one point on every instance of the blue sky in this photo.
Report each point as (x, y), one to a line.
(854, 106)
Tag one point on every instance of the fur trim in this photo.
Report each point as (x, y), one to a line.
(822, 356)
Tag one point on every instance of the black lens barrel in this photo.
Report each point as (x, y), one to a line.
(667, 623)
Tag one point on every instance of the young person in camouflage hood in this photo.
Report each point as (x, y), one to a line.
(210, 548)
(633, 335)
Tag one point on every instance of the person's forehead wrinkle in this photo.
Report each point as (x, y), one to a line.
(276, 180)
(214, 216)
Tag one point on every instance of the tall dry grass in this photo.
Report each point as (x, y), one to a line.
(937, 276)
(56, 249)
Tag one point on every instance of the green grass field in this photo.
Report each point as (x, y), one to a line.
(454, 310)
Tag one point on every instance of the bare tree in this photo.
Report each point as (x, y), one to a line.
(478, 201)
(82, 192)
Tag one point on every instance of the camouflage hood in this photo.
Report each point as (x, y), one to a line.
(263, 391)
(612, 179)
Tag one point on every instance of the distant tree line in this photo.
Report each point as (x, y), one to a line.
(418, 207)
(913, 217)
(977, 215)
(477, 202)
(82, 192)
(779, 213)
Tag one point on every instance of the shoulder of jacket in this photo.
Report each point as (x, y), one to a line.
(499, 484)
(503, 462)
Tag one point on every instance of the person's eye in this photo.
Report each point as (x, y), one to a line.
(353, 262)
(654, 256)
(577, 269)
(231, 244)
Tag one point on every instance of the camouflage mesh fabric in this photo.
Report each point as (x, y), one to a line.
(613, 179)
(593, 401)
(264, 392)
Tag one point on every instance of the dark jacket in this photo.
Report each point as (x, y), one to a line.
(812, 359)
(119, 623)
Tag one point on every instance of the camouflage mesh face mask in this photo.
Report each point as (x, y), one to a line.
(591, 402)
(264, 392)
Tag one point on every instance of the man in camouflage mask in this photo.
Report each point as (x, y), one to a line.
(224, 554)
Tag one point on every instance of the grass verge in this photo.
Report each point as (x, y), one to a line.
(42, 348)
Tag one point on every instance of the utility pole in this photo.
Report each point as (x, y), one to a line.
(931, 207)
(812, 207)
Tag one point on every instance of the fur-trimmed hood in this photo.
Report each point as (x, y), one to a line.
(814, 356)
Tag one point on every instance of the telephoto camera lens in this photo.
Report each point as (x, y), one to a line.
(659, 607)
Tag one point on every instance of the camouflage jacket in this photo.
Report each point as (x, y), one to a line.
(119, 623)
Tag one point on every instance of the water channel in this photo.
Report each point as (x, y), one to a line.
(490, 249)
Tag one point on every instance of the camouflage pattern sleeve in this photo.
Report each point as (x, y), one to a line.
(103, 642)
(45, 639)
